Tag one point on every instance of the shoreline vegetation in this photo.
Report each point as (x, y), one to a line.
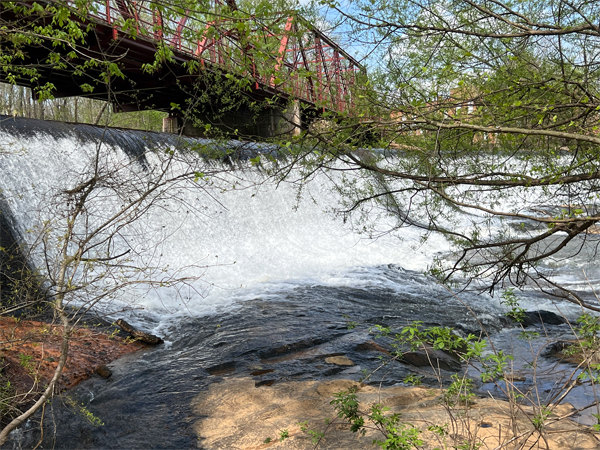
(300, 416)
(239, 413)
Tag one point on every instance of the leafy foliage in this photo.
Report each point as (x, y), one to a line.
(397, 435)
(490, 112)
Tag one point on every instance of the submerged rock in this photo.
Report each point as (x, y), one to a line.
(371, 346)
(542, 317)
(339, 360)
(430, 357)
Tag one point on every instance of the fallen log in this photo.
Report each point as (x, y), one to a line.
(139, 335)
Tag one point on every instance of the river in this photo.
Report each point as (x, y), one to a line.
(277, 283)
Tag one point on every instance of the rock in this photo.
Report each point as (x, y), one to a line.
(371, 346)
(235, 414)
(259, 372)
(539, 317)
(141, 336)
(428, 357)
(331, 387)
(515, 377)
(286, 349)
(570, 351)
(339, 360)
(562, 350)
(103, 371)
(221, 369)
(352, 370)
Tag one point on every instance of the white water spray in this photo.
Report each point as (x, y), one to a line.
(250, 233)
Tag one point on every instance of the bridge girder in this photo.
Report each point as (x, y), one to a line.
(290, 59)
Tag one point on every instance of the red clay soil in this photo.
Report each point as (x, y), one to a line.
(29, 353)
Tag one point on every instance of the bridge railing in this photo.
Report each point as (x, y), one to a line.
(284, 54)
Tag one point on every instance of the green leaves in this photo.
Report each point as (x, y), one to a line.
(510, 300)
(397, 435)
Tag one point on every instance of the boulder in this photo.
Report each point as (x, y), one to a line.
(139, 335)
(539, 317)
(103, 371)
(430, 357)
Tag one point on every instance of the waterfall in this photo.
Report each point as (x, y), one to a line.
(239, 232)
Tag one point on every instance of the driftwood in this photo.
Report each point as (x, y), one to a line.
(141, 336)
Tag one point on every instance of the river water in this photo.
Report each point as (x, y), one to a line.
(280, 282)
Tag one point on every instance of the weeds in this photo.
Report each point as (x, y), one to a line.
(529, 416)
(7, 400)
(81, 410)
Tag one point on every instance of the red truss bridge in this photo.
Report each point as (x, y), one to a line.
(278, 58)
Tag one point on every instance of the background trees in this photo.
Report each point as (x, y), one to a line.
(17, 101)
(494, 110)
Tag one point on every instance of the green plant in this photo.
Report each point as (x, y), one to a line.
(586, 346)
(315, 436)
(397, 435)
(349, 323)
(8, 400)
(414, 380)
(495, 365)
(81, 409)
(114, 333)
(510, 300)
(284, 434)
(587, 329)
(539, 419)
(460, 392)
(528, 335)
(458, 397)
(26, 361)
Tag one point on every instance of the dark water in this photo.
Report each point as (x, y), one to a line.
(146, 402)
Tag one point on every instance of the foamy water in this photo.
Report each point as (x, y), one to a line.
(240, 232)
(237, 232)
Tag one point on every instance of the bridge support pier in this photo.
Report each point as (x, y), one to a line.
(268, 123)
(170, 125)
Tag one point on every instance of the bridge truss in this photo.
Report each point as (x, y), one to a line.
(282, 57)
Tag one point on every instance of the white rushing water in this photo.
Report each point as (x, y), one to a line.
(243, 234)
(244, 237)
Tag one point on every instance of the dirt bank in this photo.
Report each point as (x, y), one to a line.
(30, 351)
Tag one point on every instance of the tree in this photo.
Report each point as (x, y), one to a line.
(81, 256)
(90, 246)
(493, 109)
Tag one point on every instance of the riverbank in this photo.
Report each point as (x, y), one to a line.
(238, 415)
(31, 349)
(244, 375)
